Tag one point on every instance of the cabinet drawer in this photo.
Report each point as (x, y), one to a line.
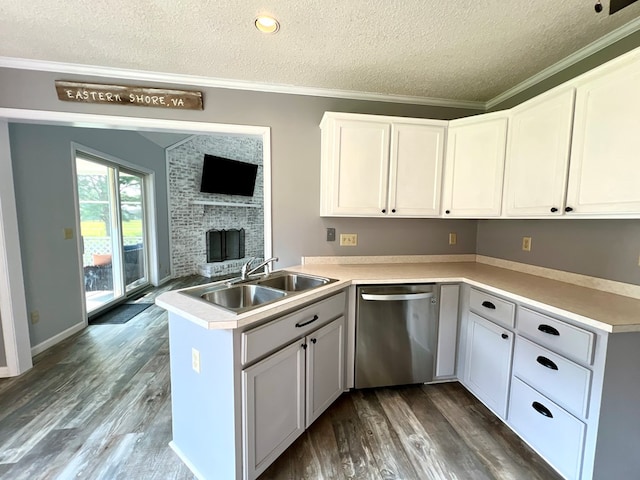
(493, 308)
(561, 380)
(558, 336)
(268, 337)
(555, 434)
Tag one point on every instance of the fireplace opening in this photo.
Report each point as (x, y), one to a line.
(225, 245)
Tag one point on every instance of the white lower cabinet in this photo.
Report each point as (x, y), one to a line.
(554, 433)
(488, 362)
(273, 399)
(284, 393)
(325, 368)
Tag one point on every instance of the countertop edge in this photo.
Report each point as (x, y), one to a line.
(201, 313)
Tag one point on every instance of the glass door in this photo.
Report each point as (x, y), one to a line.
(113, 226)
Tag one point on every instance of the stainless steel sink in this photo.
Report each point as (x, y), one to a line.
(293, 282)
(238, 298)
(246, 295)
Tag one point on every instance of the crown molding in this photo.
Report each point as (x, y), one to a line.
(211, 82)
(594, 47)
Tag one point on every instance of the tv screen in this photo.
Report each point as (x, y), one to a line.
(223, 175)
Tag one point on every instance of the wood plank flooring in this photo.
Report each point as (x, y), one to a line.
(97, 406)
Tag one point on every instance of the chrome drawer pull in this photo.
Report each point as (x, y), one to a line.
(304, 324)
(548, 329)
(489, 305)
(541, 409)
(545, 362)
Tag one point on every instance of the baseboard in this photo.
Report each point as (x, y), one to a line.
(41, 347)
(4, 372)
(163, 281)
(186, 461)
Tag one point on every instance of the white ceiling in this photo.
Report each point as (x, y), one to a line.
(446, 49)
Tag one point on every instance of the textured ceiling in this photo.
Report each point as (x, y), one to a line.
(449, 49)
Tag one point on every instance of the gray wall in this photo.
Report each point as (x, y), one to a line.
(295, 140)
(43, 178)
(600, 248)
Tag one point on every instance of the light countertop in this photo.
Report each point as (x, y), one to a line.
(602, 310)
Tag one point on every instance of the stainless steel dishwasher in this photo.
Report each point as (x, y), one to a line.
(396, 335)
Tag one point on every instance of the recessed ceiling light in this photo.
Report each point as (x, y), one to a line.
(267, 24)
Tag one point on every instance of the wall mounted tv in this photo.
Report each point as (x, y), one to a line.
(223, 175)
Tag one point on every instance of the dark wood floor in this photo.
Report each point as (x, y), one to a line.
(97, 406)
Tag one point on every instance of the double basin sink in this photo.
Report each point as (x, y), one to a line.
(249, 294)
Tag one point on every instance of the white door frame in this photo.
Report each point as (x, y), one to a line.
(12, 295)
(13, 307)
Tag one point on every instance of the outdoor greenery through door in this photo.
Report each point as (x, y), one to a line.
(113, 228)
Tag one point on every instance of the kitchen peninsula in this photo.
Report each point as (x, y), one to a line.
(593, 428)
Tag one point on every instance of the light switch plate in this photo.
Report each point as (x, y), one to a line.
(331, 234)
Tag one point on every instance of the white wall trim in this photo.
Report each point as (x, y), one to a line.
(566, 62)
(13, 306)
(41, 347)
(4, 372)
(211, 82)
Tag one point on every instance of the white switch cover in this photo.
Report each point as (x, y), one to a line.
(195, 360)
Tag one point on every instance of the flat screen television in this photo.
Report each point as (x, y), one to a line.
(231, 177)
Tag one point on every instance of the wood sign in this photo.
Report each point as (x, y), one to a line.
(126, 95)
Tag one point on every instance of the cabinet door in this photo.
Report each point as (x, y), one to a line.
(538, 155)
(604, 175)
(488, 369)
(273, 402)
(356, 163)
(474, 166)
(325, 368)
(415, 172)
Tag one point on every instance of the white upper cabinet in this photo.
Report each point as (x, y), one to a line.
(415, 172)
(474, 166)
(375, 166)
(538, 155)
(604, 177)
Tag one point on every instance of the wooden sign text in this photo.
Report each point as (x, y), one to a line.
(126, 95)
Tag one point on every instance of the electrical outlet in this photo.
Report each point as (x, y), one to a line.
(453, 238)
(68, 233)
(526, 244)
(35, 317)
(331, 234)
(348, 239)
(195, 360)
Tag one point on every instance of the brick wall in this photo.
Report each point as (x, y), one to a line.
(189, 222)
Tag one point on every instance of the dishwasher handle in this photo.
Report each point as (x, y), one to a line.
(396, 296)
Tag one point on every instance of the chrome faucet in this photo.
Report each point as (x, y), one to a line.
(247, 270)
